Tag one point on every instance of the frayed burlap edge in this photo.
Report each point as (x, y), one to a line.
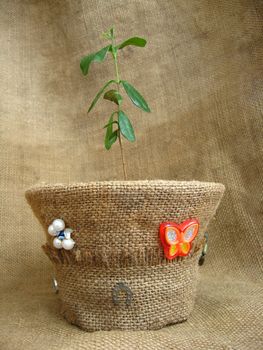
(104, 257)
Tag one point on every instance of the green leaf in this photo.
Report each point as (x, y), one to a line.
(109, 34)
(114, 122)
(111, 136)
(132, 41)
(93, 57)
(113, 50)
(126, 127)
(99, 94)
(114, 96)
(135, 96)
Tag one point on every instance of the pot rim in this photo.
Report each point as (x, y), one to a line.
(146, 183)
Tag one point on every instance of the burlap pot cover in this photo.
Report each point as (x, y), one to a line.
(116, 276)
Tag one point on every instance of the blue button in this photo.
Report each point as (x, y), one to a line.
(61, 235)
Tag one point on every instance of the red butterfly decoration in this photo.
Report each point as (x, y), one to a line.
(176, 239)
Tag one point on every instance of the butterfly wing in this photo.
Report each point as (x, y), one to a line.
(172, 252)
(170, 237)
(189, 230)
(184, 248)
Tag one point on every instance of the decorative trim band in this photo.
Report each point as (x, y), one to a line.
(104, 257)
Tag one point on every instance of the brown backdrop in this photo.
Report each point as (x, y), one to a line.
(201, 73)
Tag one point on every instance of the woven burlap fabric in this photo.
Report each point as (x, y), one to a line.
(116, 226)
(118, 216)
(160, 295)
(202, 75)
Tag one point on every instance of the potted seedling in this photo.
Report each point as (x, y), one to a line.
(125, 252)
(119, 124)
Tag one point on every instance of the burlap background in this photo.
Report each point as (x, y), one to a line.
(202, 76)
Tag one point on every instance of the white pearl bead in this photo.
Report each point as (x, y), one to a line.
(57, 243)
(67, 233)
(58, 225)
(51, 230)
(68, 244)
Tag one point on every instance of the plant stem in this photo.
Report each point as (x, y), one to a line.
(118, 88)
(122, 156)
(117, 71)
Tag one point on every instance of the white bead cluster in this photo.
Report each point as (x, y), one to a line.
(62, 235)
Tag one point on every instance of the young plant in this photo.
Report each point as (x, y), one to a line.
(119, 125)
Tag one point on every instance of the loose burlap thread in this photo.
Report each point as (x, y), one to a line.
(116, 230)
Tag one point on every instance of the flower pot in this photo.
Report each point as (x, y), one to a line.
(117, 275)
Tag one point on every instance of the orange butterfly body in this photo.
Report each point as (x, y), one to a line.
(176, 238)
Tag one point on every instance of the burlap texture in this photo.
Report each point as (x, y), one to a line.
(123, 217)
(202, 76)
(161, 294)
(116, 230)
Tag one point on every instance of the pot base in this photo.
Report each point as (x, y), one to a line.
(134, 298)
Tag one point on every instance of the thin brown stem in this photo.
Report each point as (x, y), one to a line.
(122, 156)
(119, 134)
